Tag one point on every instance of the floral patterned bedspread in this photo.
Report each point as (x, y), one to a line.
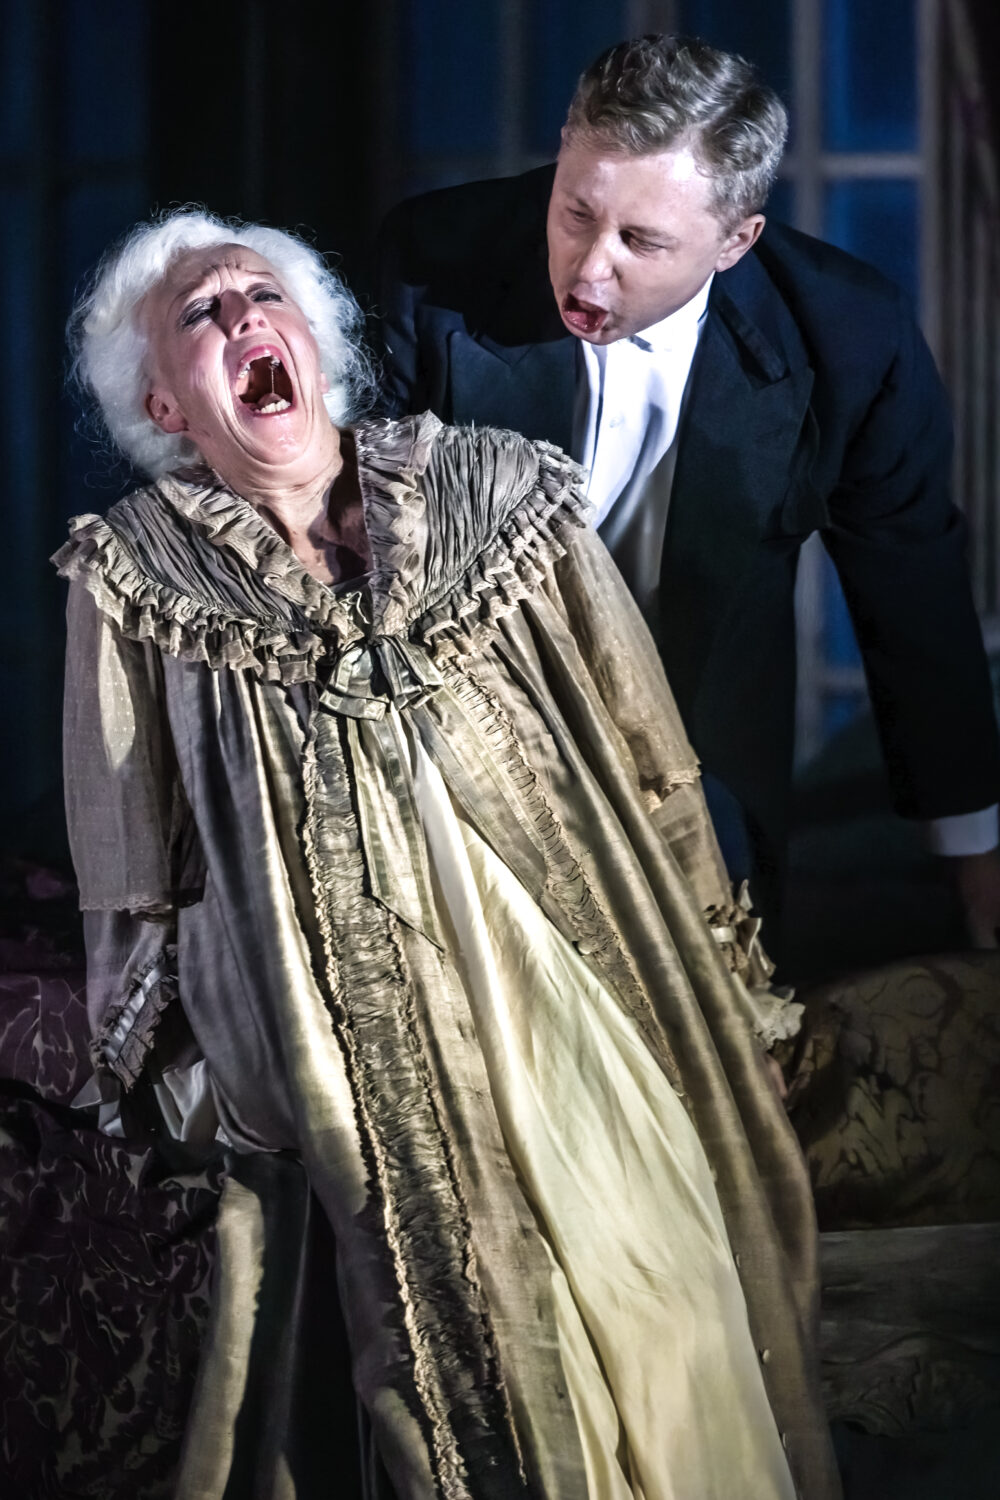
(105, 1246)
(103, 1302)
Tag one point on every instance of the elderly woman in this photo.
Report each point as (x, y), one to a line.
(393, 856)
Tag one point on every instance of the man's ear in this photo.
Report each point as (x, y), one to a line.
(739, 240)
(167, 416)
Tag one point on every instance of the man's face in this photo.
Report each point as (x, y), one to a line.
(632, 238)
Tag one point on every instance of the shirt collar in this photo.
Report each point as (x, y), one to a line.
(661, 337)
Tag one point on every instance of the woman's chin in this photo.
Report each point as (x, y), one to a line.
(286, 440)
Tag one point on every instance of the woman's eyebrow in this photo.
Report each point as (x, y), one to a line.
(262, 278)
(191, 287)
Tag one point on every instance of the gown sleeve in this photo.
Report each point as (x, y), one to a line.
(131, 833)
(625, 669)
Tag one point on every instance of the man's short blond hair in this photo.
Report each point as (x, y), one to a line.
(662, 93)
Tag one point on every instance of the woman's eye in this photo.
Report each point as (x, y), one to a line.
(266, 294)
(194, 314)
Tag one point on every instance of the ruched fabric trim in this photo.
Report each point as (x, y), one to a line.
(455, 1368)
(231, 523)
(121, 1045)
(501, 559)
(181, 626)
(513, 563)
(391, 458)
(774, 1013)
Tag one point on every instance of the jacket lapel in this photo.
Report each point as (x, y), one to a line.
(529, 388)
(744, 448)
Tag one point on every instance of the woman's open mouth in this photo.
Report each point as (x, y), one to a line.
(265, 386)
(583, 317)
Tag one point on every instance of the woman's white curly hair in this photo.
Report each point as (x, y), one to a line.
(111, 354)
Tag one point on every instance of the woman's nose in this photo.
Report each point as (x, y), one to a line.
(237, 314)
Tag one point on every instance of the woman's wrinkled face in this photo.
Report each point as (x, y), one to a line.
(235, 366)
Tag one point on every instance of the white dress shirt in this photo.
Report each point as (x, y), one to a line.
(629, 400)
(630, 404)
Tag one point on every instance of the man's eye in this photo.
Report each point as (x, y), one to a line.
(642, 247)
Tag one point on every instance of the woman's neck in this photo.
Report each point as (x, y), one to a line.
(320, 515)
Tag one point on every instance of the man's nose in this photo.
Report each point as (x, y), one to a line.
(598, 262)
(237, 314)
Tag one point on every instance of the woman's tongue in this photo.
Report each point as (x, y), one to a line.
(584, 317)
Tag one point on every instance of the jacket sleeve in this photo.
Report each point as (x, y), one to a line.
(131, 834)
(899, 546)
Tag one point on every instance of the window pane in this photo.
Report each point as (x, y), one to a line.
(870, 75)
(565, 37)
(840, 646)
(878, 220)
(841, 709)
(840, 649)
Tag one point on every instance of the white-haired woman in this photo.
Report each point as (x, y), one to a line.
(392, 856)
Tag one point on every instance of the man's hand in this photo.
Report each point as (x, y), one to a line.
(977, 880)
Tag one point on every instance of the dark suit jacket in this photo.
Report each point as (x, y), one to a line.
(814, 404)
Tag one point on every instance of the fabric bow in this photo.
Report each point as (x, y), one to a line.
(371, 675)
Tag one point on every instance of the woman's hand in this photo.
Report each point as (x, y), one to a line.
(776, 1076)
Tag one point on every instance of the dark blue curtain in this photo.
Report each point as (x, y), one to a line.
(73, 143)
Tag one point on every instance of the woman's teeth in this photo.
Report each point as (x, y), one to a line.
(263, 386)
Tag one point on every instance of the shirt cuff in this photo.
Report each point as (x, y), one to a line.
(965, 833)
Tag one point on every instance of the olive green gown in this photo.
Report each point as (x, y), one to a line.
(424, 866)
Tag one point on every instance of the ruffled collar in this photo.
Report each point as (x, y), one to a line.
(197, 570)
(391, 456)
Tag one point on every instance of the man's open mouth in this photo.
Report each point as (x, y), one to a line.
(265, 385)
(583, 317)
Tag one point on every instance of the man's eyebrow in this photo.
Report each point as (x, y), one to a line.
(643, 232)
(579, 198)
(661, 236)
(649, 232)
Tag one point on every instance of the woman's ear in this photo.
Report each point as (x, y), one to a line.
(167, 416)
